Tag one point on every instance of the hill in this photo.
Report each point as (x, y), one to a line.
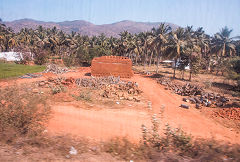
(87, 28)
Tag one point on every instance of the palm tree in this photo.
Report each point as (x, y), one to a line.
(175, 46)
(160, 35)
(223, 45)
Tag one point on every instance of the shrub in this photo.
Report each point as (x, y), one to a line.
(41, 57)
(234, 70)
(58, 89)
(84, 95)
(22, 112)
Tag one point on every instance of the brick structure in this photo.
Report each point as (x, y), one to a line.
(112, 66)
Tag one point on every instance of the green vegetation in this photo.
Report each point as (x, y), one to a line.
(187, 46)
(8, 70)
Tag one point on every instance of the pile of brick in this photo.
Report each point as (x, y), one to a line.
(53, 68)
(196, 94)
(228, 113)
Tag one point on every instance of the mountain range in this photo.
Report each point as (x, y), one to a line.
(87, 28)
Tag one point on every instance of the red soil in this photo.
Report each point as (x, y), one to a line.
(102, 124)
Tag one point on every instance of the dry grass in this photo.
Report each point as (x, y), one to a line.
(22, 111)
(174, 145)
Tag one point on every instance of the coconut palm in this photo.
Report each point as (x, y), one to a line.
(160, 40)
(223, 46)
(176, 45)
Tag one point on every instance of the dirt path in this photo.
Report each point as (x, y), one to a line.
(108, 123)
(190, 120)
(100, 125)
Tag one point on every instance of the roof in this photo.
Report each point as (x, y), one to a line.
(11, 56)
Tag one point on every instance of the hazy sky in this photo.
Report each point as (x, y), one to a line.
(212, 15)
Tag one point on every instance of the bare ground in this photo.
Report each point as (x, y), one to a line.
(100, 122)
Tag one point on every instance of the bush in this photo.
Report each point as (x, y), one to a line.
(41, 57)
(22, 112)
(234, 70)
(84, 95)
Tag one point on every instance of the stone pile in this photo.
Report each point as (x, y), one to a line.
(112, 87)
(124, 91)
(53, 68)
(97, 82)
(56, 81)
(183, 90)
(196, 94)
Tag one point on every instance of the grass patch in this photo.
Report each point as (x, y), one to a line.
(8, 70)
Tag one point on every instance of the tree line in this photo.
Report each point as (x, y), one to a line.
(186, 46)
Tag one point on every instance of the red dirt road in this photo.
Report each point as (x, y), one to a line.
(100, 125)
(190, 120)
(108, 123)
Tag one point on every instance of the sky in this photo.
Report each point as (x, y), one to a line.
(212, 15)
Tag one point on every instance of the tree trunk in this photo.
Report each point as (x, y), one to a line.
(145, 60)
(208, 64)
(150, 61)
(175, 66)
(190, 66)
(136, 59)
(183, 74)
(157, 63)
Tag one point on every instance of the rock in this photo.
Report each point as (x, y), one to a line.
(198, 106)
(192, 100)
(130, 98)
(67, 156)
(184, 106)
(149, 104)
(3, 102)
(236, 104)
(185, 99)
(197, 100)
(121, 98)
(219, 104)
(209, 103)
(41, 83)
(53, 68)
(223, 99)
(136, 99)
(73, 151)
(35, 90)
